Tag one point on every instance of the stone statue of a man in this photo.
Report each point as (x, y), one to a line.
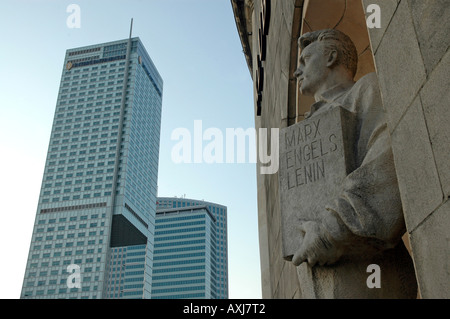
(363, 225)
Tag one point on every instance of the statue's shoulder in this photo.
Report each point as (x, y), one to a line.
(365, 95)
(367, 89)
(368, 81)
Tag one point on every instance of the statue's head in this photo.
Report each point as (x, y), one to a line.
(323, 53)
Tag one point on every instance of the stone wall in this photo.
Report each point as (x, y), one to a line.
(413, 64)
(279, 276)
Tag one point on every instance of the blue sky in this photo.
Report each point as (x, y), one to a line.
(196, 48)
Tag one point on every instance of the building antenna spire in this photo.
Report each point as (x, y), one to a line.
(131, 27)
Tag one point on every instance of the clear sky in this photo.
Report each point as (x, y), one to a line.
(194, 45)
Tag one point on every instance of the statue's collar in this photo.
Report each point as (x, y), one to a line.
(328, 97)
(333, 93)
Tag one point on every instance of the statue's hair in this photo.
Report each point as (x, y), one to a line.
(334, 40)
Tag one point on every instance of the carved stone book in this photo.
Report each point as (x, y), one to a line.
(315, 157)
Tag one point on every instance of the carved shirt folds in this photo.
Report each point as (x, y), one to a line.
(369, 205)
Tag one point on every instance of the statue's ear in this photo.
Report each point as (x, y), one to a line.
(332, 58)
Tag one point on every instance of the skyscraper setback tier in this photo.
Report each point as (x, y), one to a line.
(185, 254)
(99, 186)
(219, 246)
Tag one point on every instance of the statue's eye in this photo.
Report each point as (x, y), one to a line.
(303, 59)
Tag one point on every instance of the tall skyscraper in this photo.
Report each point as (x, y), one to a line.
(98, 194)
(217, 214)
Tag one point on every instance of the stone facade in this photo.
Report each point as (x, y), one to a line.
(413, 62)
(410, 54)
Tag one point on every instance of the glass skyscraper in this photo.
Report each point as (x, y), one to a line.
(184, 262)
(127, 274)
(186, 242)
(97, 204)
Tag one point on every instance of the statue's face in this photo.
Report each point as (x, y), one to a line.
(312, 68)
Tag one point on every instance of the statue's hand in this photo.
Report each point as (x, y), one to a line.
(317, 246)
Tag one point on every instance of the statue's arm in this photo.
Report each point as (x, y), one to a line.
(369, 209)
(369, 206)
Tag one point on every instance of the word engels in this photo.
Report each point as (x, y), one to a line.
(305, 145)
(264, 24)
